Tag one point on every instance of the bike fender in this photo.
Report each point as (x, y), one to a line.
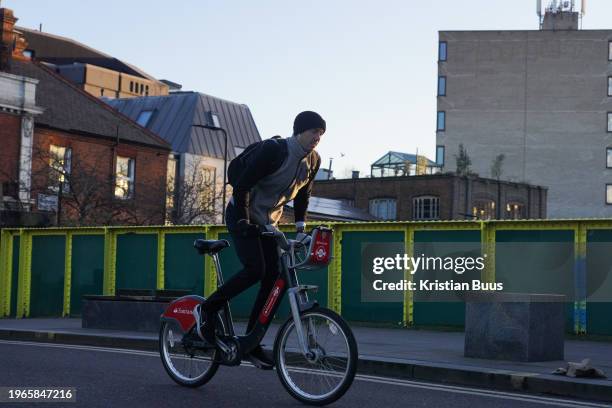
(181, 311)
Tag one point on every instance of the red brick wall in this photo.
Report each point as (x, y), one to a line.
(95, 158)
(452, 191)
(403, 189)
(10, 141)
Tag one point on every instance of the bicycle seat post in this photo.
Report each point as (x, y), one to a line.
(217, 263)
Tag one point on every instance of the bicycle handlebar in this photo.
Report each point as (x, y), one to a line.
(281, 239)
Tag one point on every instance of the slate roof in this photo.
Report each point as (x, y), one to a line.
(71, 109)
(173, 116)
(61, 50)
(335, 210)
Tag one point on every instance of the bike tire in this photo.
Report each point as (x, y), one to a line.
(282, 366)
(170, 368)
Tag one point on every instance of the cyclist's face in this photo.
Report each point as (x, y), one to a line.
(309, 139)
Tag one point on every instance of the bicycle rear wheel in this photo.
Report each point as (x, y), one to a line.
(186, 364)
(327, 373)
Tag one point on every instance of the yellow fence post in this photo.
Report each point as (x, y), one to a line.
(110, 261)
(25, 274)
(580, 304)
(67, 273)
(161, 253)
(408, 315)
(6, 263)
(334, 273)
(487, 239)
(210, 273)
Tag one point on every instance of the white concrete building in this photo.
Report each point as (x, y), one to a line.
(543, 98)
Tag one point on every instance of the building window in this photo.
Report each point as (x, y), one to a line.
(144, 117)
(59, 168)
(426, 208)
(171, 188)
(442, 86)
(610, 86)
(608, 193)
(483, 209)
(442, 45)
(147, 90)
(514, 211)
(141, 89)
(124, 178)
(441, 122)
(609, 50)
(131, 86)
(609, 121)
(213, 120)
(440, 155)
(102, 92)
(383, 208)
(609, 157)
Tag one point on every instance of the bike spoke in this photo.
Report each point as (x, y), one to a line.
(320, 376)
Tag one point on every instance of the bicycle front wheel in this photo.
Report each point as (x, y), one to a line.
(327, 371)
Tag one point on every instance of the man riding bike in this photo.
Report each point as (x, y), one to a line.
(278, 171)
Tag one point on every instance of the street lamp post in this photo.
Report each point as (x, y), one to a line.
(209, 127)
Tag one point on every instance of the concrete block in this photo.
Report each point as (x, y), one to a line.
(515, 327)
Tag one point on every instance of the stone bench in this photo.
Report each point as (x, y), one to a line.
(129, 309)
(515, 326)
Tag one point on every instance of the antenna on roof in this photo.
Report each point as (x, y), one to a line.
(539, 12)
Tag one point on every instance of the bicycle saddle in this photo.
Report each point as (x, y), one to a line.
(210, 246)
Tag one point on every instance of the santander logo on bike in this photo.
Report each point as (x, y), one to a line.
(182, 311)
(321, 253)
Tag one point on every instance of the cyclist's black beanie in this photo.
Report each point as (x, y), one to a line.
(307, 120)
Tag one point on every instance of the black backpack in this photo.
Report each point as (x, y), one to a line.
(242, 161)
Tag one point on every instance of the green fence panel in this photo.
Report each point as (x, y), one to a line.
(599, 282)
(15, 276)
(183, 266)
(545, 265)
(87, 269)
(136, 261)
(427, 311)
(353, 244)
(47, 284)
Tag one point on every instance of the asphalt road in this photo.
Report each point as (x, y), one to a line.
(106, 377)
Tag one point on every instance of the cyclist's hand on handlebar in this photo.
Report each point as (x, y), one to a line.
(302, 237)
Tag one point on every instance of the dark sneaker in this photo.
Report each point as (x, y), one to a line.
(261, 358)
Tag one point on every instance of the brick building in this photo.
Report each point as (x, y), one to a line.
(93, 71)
(65, 151)
(437, 197)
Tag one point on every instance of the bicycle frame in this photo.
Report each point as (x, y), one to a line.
(186, 310)
(286, 283)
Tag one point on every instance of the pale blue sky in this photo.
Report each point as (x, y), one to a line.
(368, 67)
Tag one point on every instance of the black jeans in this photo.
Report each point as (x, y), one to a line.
(260, 259)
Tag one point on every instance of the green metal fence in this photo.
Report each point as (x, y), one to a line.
(45, 272)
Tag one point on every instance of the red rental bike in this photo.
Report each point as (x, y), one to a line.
(315, 352)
